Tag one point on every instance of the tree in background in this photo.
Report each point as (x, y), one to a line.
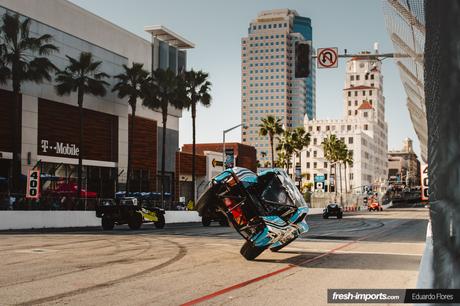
(82, 76)
(271, 126)
(197, 88)
(130, 84)
(162, 89)
(330, 148)
(286, 144)
(22, 59)
(301, 140)
(348, 160)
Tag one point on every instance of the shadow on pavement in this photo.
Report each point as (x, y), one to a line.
(361, 261)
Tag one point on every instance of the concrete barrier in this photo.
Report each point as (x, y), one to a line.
(426, 273)
(34, 219)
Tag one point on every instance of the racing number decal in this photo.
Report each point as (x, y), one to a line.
(33, 184)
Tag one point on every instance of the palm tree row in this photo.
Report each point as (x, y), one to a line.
(336, 153)
(23, 58)
(290, 141)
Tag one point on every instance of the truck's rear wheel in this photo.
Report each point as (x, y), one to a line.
(107, 223)
(250, 252)
(135, 221)
(161, 221)
(223, 222)
(206, 221)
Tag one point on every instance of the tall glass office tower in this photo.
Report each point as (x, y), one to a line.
(268, 83)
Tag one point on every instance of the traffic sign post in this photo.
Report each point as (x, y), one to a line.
(327, 57)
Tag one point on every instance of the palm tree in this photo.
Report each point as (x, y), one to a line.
(281, 160)
(270, 126)
(131, 84)
(82, 76)
(330, 145)
(23, 59)
(301, 139)
(286, 144)
(197, 89)
(342, 153)
(348, 160)
(163, 88)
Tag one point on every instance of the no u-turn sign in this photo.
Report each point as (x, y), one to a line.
(327, 57)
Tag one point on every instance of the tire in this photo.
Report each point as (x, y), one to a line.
(339, 216)
(276, 249)
(223, 222)
(325, 216)
(135, 221)
(250, 252)
(206, 221)
(369, 209)
(161, 221)
(381, 208)
(107, 223)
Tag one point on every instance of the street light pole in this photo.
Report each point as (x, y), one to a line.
(223, 141)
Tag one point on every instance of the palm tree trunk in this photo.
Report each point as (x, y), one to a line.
(335, 179)
(16, 166)
(345, 173)
(130, 146)
(193, 151)
(273, 154)
(300, 163)
(80, 140)
(340, 175)
(163, 156)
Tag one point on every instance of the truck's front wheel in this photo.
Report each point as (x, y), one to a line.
(107, 223)
(135, 221)
(250, 252)
(161, 221)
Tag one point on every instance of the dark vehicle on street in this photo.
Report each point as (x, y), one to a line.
(216, 216)
(128, 211)
(333, 209)
(266, 209)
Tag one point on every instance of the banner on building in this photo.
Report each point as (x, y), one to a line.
(229, 158)
(33, 184)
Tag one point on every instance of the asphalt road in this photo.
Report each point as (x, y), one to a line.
(189, 263)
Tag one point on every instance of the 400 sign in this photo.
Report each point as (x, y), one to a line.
(33, 184)
(424, 177)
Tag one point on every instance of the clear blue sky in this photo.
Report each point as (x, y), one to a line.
(216, 27)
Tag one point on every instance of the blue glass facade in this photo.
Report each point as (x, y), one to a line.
(302, 25)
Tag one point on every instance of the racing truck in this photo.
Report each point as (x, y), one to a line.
(128, 211)
(267, 209)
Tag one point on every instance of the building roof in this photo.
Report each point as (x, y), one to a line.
(360, 87)
(365, 105)
(164, 34)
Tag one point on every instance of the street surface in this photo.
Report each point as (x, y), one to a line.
(191, 263)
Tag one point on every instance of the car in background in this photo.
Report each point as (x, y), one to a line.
(374, 206)
(333, 210)
(128, 211)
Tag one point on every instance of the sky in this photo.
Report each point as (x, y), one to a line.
(217, 26)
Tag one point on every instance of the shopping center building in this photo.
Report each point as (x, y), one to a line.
(50, 123)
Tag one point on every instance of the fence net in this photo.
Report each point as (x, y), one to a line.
(442, 91)
(405, 22)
